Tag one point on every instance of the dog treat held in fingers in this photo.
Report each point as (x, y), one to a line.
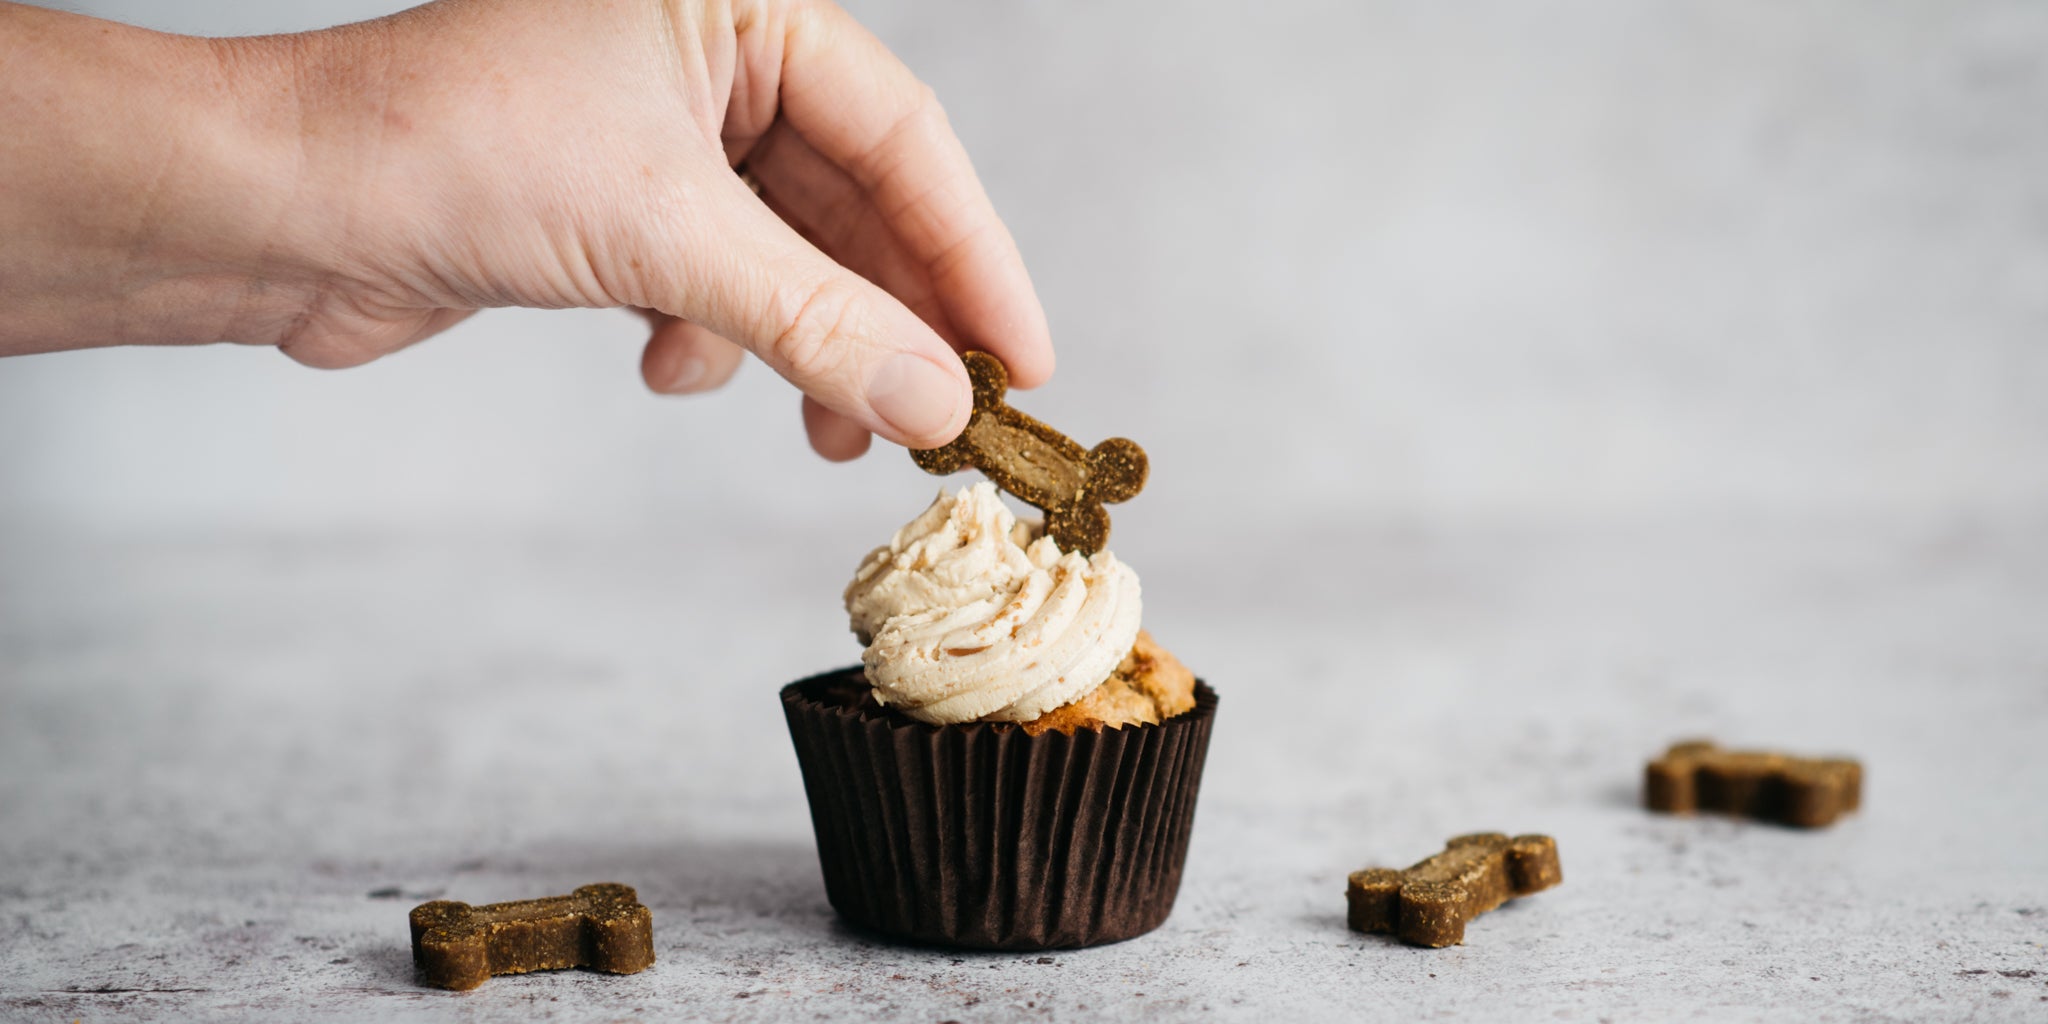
(1038, 464)
(1798, 791)
(602, 927)
(1429, 904)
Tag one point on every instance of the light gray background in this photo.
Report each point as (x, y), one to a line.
(1526, 385)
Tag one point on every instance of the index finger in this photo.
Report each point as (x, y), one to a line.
(862, 109)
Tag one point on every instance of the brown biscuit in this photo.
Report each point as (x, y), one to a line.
(1150, 686)
(1038, 464)
(602, 927)
(1799, 791)
(1428, 904)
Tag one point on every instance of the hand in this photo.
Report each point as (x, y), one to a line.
(555, 153)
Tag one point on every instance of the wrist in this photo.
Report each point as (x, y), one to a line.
(157, 192)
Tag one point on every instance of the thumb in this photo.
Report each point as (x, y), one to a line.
(849, 345)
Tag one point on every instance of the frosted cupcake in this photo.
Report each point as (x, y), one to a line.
(1014, 764)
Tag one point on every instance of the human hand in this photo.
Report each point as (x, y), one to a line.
(558, 153)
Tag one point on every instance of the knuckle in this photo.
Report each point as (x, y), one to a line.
(822, 332)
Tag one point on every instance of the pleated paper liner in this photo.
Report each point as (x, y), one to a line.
(979, 836)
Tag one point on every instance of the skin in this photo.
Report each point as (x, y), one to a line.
(344, 193)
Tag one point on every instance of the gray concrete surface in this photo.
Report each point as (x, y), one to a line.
(228, 768)
(1526, 386)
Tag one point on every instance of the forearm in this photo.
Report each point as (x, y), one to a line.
(347, 192)
(153, 188)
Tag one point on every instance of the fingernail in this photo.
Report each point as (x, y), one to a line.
(917, 397)
(688, 374)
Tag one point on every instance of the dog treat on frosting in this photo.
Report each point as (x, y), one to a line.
(1798, 791)
(602, 927)
(1038, 464)
(1429, 904)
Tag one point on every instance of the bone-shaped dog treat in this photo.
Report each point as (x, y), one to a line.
(1799, 791)
(602, 927)
(1038, 464)
(1428, 904)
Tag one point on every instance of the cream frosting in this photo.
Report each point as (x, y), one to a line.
(970, 615)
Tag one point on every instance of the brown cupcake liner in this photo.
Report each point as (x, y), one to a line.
(980, 836)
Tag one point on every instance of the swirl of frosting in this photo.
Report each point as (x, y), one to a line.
(969, 615)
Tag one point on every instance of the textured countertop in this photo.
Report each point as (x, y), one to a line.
(228, 768)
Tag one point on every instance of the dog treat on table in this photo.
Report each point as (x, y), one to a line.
(1038, 464)
(602, 927)
(1798, 791)
(1429, 904)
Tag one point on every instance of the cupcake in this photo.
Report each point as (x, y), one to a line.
(1014, 763)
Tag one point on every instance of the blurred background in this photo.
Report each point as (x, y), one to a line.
(1329, 262)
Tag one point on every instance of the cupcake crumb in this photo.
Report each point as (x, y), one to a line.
(1149, 687)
